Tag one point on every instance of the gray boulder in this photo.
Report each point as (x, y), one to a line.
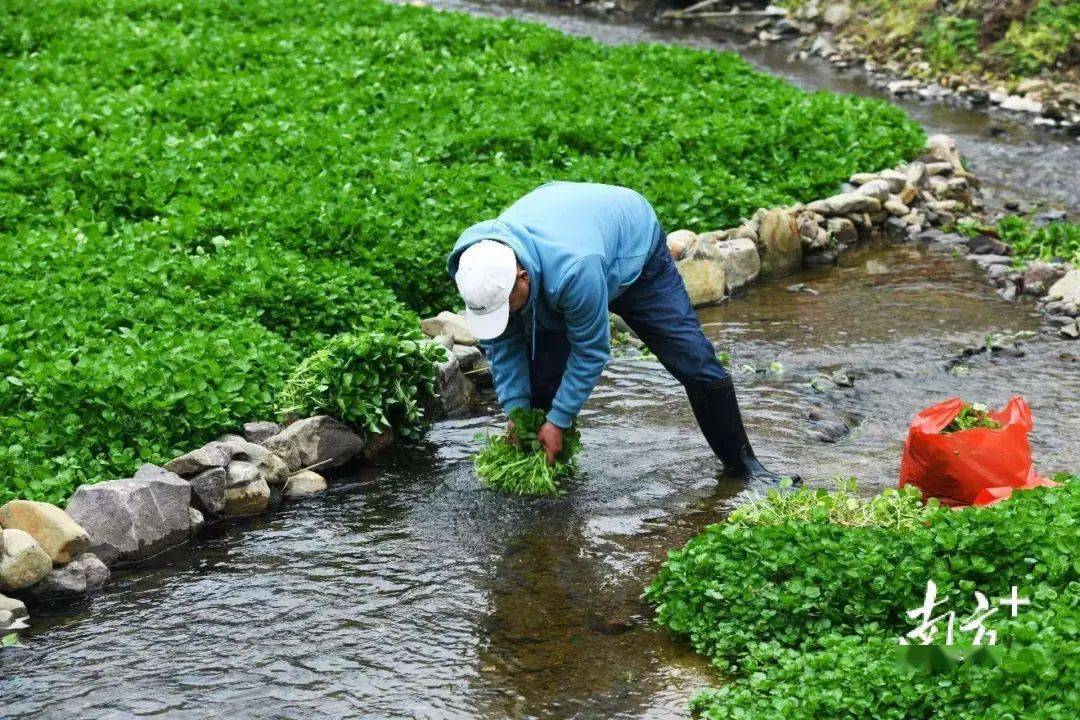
(209, 456)
(1040, 276)
(455, 390)
(131, 520)
(22, 562)
(846, 204)
(258, 431)
(1067, 288)
(318, 441)
(208, 491)
(82, 575)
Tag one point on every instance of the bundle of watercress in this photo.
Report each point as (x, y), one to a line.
(518, 464)
(971, 416)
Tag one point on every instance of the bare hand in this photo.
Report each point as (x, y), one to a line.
(550, 436)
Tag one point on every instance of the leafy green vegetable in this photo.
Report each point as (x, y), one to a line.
(898, 509)
(519, 465)
(804, 614)
(374, 380)
(972, 416)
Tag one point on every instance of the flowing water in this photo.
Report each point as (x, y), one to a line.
(407, 591)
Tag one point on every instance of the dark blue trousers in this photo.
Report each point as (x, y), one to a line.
(658, 309)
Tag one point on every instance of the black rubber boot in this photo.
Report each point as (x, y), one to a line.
(717, 413)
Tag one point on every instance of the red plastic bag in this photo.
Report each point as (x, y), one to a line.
(972, 467)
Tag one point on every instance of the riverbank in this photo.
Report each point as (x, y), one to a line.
(1016, 59)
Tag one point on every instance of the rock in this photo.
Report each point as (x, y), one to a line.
(1070, 331)
(836, 14)
(908, 193)
(841, 230)
(936, 169)
(895, 207)
(256, 432)
(1050, 216)
(198, 522)
(456, 392)
(320, 441)
(985, 261)
(741, 262)
(246, 490)
(917, 175)
(862, 178)
(1022, 104)
(808, 229)
(84, 574)
(998, 273)
(131, 520)
(845, 204)
(705, 280)
(778, 243)
(1009, 292)
(208, 491)
(902, 87)
(678, 241)
(22, 562)
(273, 468)
(944, 149)
(1038, 277)
(877, 189)
(57, 534)
(209, 456)
(305, 482)
(714, 236)
(1067, 288)
(468, 357)
(986, 245)
(10, 609)
(747, 231)
(896, 180)
(450, 324)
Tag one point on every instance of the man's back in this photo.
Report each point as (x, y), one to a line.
(589, 218)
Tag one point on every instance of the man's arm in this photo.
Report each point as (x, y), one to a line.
(584, 303)
(509, 358)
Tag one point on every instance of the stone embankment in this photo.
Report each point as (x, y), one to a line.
(911, 202)
(48, 554)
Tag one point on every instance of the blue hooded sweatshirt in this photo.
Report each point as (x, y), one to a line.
(582, 244)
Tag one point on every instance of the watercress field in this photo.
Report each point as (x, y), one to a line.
(196, 196)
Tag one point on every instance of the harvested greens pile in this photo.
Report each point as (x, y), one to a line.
(971, 416)
(522, 469)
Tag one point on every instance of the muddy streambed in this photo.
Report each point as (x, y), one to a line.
(1014, 161)
(407, 591)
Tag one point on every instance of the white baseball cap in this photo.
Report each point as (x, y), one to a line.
(486, 274)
